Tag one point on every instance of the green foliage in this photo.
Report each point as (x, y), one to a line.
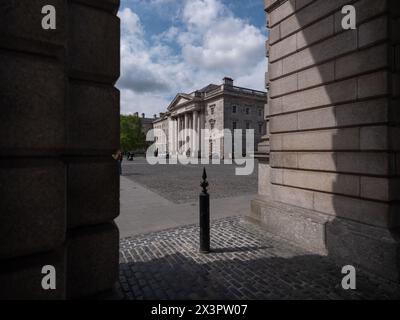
(132, 136)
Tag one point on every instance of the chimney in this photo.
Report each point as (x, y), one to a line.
(228, 82)
(155, 116)
(143, 115)
(136, 114)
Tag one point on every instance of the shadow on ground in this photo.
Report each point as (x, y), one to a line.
(246, 263)
(304, 277)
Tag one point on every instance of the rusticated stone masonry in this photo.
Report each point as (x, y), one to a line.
(59, 114)
(332, 183)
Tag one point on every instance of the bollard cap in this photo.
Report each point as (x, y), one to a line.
(204, 183)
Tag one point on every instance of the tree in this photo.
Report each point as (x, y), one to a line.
(132, 136)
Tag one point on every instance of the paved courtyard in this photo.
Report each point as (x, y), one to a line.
(159, 197)
(159, 256)
(180, 183)
(246, 263)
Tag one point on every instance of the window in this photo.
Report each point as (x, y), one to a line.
(247, 125)
(233, 109)
(234, 125)
(259, 112)
(212, 109)
(212, 124)
(247, 110)
(260, 127)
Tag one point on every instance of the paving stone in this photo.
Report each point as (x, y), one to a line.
(255, 265)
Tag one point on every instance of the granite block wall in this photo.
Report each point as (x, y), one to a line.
(334, 128)
(60, 124)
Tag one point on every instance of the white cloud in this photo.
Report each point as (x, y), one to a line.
(201, 13)
(167, 36)
(230, 45)
(208, 44)
(130, 23)
(146, 68)
(254, 78)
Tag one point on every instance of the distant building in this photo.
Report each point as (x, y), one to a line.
(162, 123)
(147, 123)
(213, 107)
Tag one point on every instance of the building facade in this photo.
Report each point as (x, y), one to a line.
(330, 180)
(161, 139)
(215, 107)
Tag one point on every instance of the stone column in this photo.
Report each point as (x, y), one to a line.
(199, 127)
(180, 129)
(59, 185)
(334, 131)
(186, 117)
(191, 116)
(177, 135)
(196, 128)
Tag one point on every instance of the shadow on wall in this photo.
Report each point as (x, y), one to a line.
(336, 122)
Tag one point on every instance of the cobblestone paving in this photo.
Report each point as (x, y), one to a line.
(246, 263)
(180, 183)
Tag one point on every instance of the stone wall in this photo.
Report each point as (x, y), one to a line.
(59, 126)
(334, 125)
(218, 116)
(217, 146)
(241, 118)
(224, 117)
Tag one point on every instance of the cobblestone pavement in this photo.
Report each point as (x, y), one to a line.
(180, 183)
(246, 263)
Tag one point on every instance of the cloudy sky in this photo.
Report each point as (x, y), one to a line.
(171, 46)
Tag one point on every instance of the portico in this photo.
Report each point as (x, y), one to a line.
(216, 107)
(186, 121)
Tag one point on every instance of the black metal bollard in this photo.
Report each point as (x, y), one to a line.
(204, 216)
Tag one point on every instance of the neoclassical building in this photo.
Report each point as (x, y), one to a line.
(214, 107)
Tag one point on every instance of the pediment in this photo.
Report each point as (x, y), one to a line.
(179, 100)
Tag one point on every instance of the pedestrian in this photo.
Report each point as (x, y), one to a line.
(118, 157)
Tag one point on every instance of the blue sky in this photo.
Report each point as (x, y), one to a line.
(171, 46)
